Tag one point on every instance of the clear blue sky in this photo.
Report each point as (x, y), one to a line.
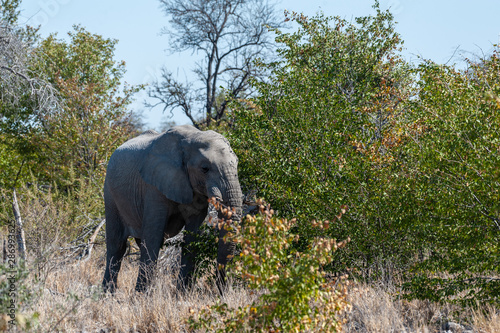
(433, 29)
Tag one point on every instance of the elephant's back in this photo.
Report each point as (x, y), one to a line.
(125, 162)
(141, 142)
(133, 150)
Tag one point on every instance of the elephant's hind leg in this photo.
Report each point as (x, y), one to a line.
(116, 246)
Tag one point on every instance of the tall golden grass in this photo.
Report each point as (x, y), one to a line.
(71, 300)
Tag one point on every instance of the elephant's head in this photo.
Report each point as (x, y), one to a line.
(184, 161)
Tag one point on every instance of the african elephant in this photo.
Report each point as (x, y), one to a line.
(155, 185)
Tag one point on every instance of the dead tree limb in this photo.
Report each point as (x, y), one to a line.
(92, 240)
(21, 244)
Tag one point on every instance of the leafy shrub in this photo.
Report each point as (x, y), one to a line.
(412, 151)
(454, 164)
(296, 294)
(323, 132)
(76, 136)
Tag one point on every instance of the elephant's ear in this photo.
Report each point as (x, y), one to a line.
(165, 170)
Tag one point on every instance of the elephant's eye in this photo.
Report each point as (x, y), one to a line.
(205, 169)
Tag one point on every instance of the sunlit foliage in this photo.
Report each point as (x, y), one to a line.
(296, 294)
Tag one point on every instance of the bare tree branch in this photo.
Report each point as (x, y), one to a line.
(16, 79)
(21, 243)
(172, 94)
(230, 34)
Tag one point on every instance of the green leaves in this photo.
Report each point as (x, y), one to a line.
(414, 152)
(325, 124)
(296, 294)
(92, 119)
(458, 160)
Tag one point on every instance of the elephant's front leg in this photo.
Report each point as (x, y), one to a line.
(226, 249)
(191, 230)
(150, 248)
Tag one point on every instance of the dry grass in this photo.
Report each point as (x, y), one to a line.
(376, 309)
(71, 301)
(486, 319)
(69, 297)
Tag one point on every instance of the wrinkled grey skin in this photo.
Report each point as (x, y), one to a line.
(156, 184)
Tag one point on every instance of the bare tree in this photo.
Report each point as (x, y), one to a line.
(230, 35)
(17, 82)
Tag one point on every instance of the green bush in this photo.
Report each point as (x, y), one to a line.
(77, 136)
(454, 165)
(296, 294)
(322, 132)
(413, 152)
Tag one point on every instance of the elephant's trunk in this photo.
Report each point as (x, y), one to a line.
(229, 191)
(233, 199)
